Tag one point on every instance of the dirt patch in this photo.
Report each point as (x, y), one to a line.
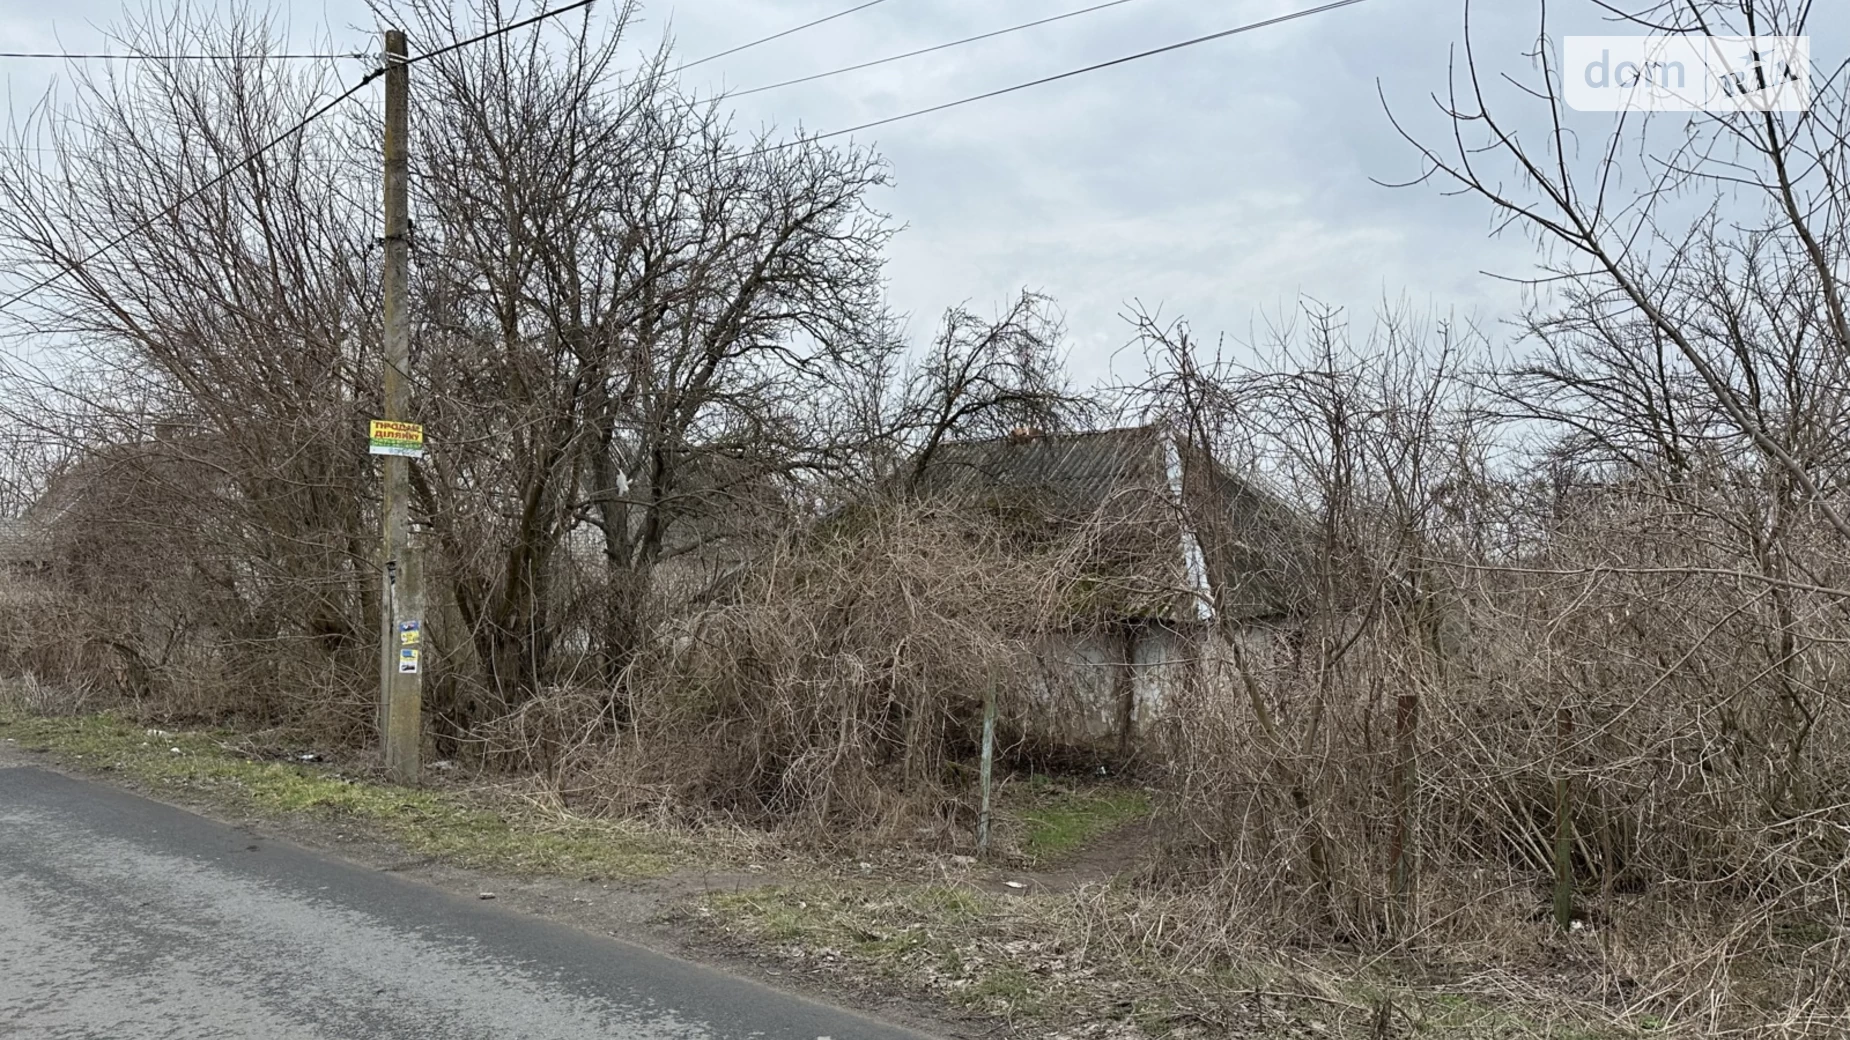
(1116, 853)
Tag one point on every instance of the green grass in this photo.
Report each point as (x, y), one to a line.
(1447, 1015)
(1041, 962)
(453, 826)
(1060, 821)
(926, 936)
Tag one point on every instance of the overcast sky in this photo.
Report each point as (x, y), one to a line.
(1218, 182)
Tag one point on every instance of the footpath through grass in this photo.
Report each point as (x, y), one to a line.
(1057, 821)
(462, 827)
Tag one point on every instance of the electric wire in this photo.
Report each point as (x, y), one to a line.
(928, 50)
(781, 35)
(100, 56)
(1057, 77)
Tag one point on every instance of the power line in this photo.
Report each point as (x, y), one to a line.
(781, 35)
(220, 178)
(929, 50)
(94, 151)
(63, 56)
(300, 125)
(1044, 80)
(502, 31)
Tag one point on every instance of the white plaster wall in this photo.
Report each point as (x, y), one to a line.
(1076, 676)
(1163, 660)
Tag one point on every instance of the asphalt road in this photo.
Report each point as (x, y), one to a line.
(125, 919)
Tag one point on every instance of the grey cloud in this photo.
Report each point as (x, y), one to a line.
(1217, 181)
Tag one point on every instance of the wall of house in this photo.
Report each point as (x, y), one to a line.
(1072, 689)
(1163, 659)
(1078, 673)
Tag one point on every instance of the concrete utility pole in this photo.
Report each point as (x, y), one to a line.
(402, 602)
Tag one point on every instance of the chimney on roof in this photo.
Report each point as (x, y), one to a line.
(1022, 434)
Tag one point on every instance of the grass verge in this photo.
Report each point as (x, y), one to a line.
(1101, 962)
(465, 827)
(1068, 965)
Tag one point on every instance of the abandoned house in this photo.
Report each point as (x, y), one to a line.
(1188, 559)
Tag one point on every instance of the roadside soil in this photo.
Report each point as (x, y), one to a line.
(1028, 945)
(659, 913)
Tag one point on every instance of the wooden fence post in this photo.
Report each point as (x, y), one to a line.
(1404, 854)
(1564, 823)
(989, 759)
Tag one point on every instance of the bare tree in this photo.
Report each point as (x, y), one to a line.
(231, 311)
(986, 377)
(1745, 306)
(629, 311)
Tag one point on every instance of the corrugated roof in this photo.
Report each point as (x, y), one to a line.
(1071, 474)
(1120, 479)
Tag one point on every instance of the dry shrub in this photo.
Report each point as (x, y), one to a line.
(27, 693)
(158, 586)
(40, 641)
(551, 735)
(840, 686)
(1703, 764)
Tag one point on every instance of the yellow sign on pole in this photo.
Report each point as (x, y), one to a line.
(395, 438)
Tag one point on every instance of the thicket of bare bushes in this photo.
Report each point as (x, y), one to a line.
(1580, 619)
(839, 687)
(1571, 628)
(1484, 651)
